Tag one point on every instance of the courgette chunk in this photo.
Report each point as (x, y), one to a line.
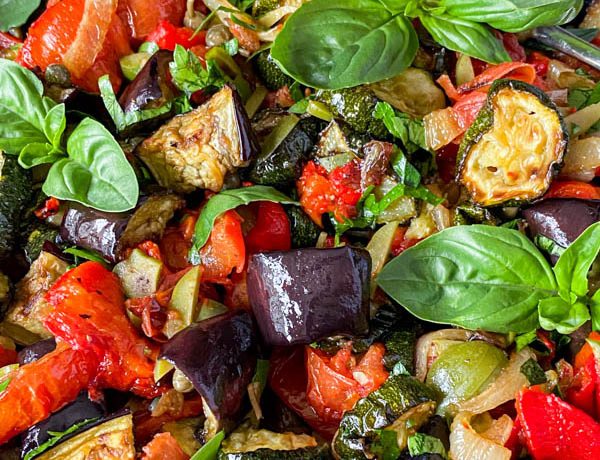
(402, 404)
(514, 147)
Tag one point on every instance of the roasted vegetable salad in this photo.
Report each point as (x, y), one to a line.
(299, 229)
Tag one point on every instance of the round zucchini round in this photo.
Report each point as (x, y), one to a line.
(515, 146)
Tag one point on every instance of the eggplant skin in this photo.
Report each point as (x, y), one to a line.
(561, 220)
(515, 146)
(75, 412)
(198, 149)
(34, 352)
(218, 355)
(111, 233)
(304, 295)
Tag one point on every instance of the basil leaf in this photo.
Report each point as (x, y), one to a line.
(407, 173)
(210, 450)
(85, 254)
(419, 444)
(96, 174)
(190, 76)
(225, 201)
(521, 341)
(467, 37)
(580, 98)
(514, 15)
(385, 446)
(55, 124)
(37, 154)
(402, 126)
(56, 436)
(124, 120)
(14, 13)
(558, 314)
(476, 277)
(344, 43)
(595, 310)
(23, 110)
(573, 265)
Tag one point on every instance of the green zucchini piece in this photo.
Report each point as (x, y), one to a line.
(139, 274)
(38, 235)
(15, 194)
(305, 232)
(355, 106)
(185, 300)
(282, 166)
(402, 404)
(247, 443)
(515, 146)
(5, 293)
(270, 73)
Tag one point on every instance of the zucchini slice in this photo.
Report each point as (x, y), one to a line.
(402, 404)
(514, 147)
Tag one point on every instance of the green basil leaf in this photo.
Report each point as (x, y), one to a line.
(595, 310)
(344, 43)
(82, 254)
(580, 97)
(573, 265)
(467, 37)
(37, 154)
(225, 201)
(475, 276)
(22, 109)
(419, 444)
(385, 445)
(558, 314)
(523, 340)
(96, 174)
(14, 13)
(407, 173)
(210, 450)
(402, 126)
(55, 124)
(190, 76)
(56, 436)
(514, 15)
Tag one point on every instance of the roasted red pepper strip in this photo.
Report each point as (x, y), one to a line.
(44, 386)
(7, 356)
(582, 391)
(573, 189)
(167, 36)
(271, 231)
(89, 314)
(163, 447)
(555, 430)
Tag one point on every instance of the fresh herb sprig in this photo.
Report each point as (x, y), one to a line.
(345, 43)
(190, 76)
(90, 169)
(495, 279)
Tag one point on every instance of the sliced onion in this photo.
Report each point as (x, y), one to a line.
(499, 430)
(582, 159)
(423, 357)
(584, 119)
(441, 128)
(559, 96)
(563, 76)
(276, 15)
(467, 444)
(503, 389)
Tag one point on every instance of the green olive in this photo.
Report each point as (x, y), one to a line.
(464, 370)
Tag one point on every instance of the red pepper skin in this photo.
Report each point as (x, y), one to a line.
(7, 356)
(288, 379)
(271, 231)
(7, 40)
(89, 314)
(540, 62)
(167, 36)
(573, 189)
(44, 386)
(582, 392)
(555, 430)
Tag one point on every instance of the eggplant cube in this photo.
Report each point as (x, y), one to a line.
(198, 149)
(308, 294)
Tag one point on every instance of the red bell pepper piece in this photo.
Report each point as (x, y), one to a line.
(540, 62)
(556, 430)
(271, 231)
(573, 189)
(44, 386)
(582, 391)
(400, 243)
(288, 379)
(163, 446)
(89, 314)
(335, 384)
(7, 356)
(225, 250)
(167, 36)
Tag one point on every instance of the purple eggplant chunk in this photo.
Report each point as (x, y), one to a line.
(562, 220)
(218, 355)
(308, 294)
(36, 351)
(111, 233)
(76, 412)
(151, 85)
